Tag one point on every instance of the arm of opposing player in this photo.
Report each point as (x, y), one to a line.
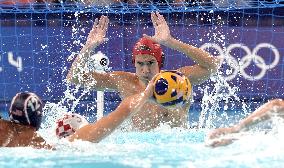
(264, 112)
(97, 131)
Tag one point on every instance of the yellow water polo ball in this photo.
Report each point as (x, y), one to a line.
(172, 88)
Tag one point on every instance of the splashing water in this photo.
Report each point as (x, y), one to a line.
(72, 95)
(222, 92)
(162, 147)
(219, 99)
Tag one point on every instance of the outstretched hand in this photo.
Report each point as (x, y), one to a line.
(162, 31)
(98, 32)
(139, 99)
(220, 142)
(217, 137)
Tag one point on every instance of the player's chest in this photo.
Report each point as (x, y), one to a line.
(131, 89)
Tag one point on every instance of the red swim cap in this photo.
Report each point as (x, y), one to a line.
(149, 47)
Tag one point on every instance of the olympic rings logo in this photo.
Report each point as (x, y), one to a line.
(246, 60)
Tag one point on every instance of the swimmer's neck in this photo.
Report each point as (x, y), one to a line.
(143, 81)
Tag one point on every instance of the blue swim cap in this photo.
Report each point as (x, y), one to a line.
(26, 109)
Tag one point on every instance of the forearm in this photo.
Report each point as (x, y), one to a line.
(76, 70)
(97, 131)
(264, 112)
(201, 57)
(75, 74)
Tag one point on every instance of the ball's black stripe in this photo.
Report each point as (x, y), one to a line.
(173, 102)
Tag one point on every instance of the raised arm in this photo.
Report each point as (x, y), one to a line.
(76, 73)
(106, 125)
(264, 112)
(205, 63)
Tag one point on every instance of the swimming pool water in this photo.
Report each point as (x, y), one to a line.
(162, 147)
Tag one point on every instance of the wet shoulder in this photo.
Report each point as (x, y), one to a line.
(38, 142)
(14, 135)
(7, 133)
(4, 126)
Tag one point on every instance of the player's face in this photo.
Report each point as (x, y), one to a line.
(146, 67)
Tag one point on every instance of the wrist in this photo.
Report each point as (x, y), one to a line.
(88, 48)
(236, 129)
(168, 42)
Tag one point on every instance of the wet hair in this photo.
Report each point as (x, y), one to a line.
(26, 108)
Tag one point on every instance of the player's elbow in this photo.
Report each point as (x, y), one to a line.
(276, 106)
(215, 65)
(278, 103)
(70, 79)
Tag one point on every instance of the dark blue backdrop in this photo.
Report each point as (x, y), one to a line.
(35, 47)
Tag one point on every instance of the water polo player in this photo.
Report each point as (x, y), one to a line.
(148, 60)
(74, 126)
(272, 109)
(25, 119)
(26, 116)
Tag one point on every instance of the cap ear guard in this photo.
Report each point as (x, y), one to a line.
(16, 110)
